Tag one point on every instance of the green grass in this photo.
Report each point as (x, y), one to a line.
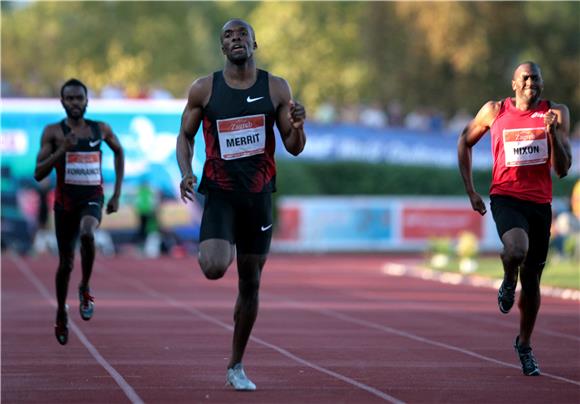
(559, 273)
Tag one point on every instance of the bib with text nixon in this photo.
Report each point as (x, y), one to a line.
(242, 137)
(82, 168)
(525, 147)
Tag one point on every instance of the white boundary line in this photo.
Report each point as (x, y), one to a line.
(158, 295)
(121, 382)
(417, 271)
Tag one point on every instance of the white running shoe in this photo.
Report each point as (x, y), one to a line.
(238, 379)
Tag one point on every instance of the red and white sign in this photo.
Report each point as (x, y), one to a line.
(427, 222)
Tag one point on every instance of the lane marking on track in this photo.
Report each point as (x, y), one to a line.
(390, 330)
(160, 296)
(23, 267)
(417, 271)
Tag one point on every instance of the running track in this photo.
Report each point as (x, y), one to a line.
(331, 329)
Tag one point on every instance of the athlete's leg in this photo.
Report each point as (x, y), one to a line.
(253, 237)
(65, 267)
(515, 247)
(215, 256)
(530, 300)
(217, 247)
(249, 271)
(88, 227)
(531, 272)
(66, 229)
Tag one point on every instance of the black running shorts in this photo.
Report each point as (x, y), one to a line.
(67, 222)
(244, 219)
(534, 218)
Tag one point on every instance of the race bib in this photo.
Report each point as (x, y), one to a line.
(82, 168)
(525, 147)
(242, 137)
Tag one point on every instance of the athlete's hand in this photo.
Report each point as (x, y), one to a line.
(477, 203)
(550, 120)
(70, 140)
(297, 114)
(187, 188)
(113, 205)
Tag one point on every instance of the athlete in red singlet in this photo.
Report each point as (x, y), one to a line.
(238, 107)
(529, 137)
(73, 147)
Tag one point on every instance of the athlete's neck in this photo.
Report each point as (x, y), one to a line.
(241, 76)
(525, 105)
(75, 123)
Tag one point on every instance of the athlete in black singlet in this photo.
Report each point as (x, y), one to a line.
(73, 147)
(238, 107)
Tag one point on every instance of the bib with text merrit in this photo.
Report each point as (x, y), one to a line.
(525, 147)
(242, 137)
(82, 168)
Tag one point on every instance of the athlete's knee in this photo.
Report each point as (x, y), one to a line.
(530, 276)
(87, 237)
(65, 266)
(514, 254)
(213, 268)
(249, 287)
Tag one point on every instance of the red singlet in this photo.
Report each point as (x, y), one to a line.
(521, 153)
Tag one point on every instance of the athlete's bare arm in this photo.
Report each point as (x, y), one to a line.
(52, 146)
(113, 142)
(472, 133)
(290, 116)
(198, 97)
(557, 121)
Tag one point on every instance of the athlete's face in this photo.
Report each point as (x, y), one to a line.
(74, 100)
(238, 42)
(527, 82)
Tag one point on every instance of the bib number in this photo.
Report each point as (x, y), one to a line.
(242, 137)
(525, 147)
(82, 168)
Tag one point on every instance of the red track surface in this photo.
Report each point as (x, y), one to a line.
(331, 329)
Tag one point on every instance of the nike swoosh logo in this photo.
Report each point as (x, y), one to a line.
(250, 99)
(94, 203)
(93, 144)
(264, 228)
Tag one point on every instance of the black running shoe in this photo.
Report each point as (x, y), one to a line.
(87, 305)
(529, 364)
(506, 296)
(61, 328)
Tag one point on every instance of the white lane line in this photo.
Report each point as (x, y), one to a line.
(160, 296)
(390, 330)
(121, 382)
(417, 271)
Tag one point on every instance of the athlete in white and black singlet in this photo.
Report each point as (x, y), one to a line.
(238, 108)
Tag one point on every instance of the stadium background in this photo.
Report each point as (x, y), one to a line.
(386, 86)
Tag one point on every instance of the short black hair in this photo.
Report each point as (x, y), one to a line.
(73, 82)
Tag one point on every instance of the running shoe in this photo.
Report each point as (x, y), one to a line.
(236, 377)
(87, 305)
(529, 364)
(506, 296)
(61, 328)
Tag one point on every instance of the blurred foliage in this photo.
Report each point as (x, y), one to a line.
(356, 178)
(445, 55)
